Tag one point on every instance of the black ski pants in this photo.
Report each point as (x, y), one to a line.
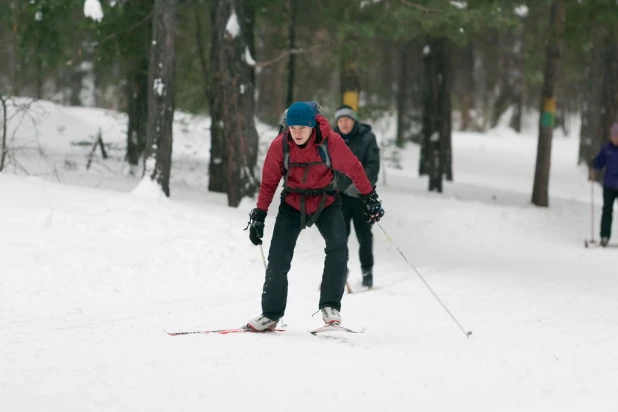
(353, 213)
(285, 233)
(609, 196)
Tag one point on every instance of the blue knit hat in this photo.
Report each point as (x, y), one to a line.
(300, 114)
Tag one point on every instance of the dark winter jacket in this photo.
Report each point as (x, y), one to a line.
(363, 144)
(608, 159)
(318, 176)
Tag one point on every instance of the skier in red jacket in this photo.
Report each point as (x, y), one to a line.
(304, 154)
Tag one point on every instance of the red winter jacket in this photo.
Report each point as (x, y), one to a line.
(319, 176)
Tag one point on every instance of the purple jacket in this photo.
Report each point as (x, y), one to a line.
(608, 159)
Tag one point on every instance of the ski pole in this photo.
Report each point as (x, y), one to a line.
(592, 209)
(263, 258)
(468, 333)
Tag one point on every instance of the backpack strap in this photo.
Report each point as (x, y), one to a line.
(323, 150)
(286, 154)
(331, 188)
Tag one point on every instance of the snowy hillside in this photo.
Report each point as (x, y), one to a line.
(94, 267)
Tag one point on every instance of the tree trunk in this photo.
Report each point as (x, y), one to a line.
(609, 91)
(466, 86)
(233, 105)
(408, 94)
(11, 59)
(38, 62)
(446, 109)
(402, 95)
(503, 90)
(270, 83)
(600, 106)
(137, 108)
(429, 106)
(201, 54)
(349, 75)
(249, 30)
(76, 67)
(591, 135)
(436, 154)
(216, 168)
(499, 94)
(540, 191)
(137, 71)
(3, 135)
(518, 80)
(508, 89)
(137, 83)
(158, 159)
(350, 83)
(292, 4)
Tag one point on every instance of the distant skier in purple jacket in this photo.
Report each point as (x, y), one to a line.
(608, 158)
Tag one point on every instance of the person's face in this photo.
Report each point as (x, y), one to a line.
(614, 139)
(300, 134)
(345, 125)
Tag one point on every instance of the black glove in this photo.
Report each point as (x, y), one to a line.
(256, 226)
(372, 207)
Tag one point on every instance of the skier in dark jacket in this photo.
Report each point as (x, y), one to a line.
(608, 158)
(361, 140)
(309, 196)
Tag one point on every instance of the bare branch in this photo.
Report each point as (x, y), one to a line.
(23, 112)
(17, 165)
(418, 6)
(286, 53)
(133, 26)
(3, 149)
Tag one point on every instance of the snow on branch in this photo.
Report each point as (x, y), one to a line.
(248, 58)
(92, 9)
(459, 4)
(521, 10)
(286, 53)
(418, 6)
(232, 26)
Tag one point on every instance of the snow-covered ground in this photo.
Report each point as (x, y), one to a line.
(94, 265)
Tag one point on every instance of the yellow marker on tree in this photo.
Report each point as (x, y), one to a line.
(548, 117)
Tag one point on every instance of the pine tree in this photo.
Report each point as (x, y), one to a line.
(234, 137)
(158, 157)
(540, 191)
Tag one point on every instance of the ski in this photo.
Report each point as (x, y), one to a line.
(335, 328)
(244, 329)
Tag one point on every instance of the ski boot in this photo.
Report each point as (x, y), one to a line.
(367, 278)
(262, 323)
(331, 316)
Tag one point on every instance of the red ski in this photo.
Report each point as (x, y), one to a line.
(244, 329)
